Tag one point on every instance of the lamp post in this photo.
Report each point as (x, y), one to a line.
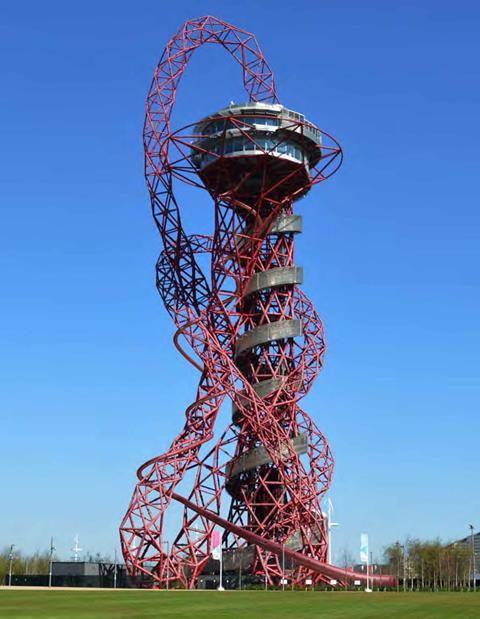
(167, 543)
(240, 572)
(283, 567)
(398, 547)
(50, 562)
(10, 565)
(369, 579)
(115, 570)
(472, 537)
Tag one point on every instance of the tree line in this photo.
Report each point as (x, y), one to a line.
(23, 563)
(430, 565)
(416, 564)
(35, 564)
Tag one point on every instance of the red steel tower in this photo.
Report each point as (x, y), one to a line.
(245, 325)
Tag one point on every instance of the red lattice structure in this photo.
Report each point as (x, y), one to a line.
(245, 325)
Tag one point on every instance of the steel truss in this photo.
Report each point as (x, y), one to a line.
(254, 337)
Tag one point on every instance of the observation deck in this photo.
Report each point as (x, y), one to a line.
(257, 150)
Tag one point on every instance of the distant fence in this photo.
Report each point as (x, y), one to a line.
(104, 582)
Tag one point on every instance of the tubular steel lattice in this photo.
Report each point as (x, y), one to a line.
(253, 335)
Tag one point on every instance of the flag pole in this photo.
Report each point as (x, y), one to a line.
(220, 588)
(217, 553)
(364, 558)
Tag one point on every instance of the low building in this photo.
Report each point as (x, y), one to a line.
(467, 543)
(78, 568)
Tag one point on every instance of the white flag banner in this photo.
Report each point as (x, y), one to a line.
(364, 548)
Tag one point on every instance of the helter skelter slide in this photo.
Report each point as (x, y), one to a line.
(245, 325)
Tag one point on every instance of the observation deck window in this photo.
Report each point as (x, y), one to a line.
(243, 144)
(260, 120)
(217, 126)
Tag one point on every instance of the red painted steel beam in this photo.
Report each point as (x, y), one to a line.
(319, 567)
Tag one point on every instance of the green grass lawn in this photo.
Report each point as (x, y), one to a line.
(20, 604)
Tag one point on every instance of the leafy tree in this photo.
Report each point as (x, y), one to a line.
(431, 565)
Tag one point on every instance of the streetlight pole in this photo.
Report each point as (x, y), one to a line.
(368, 570)
(10, 565)
(167, 543)
(472, 537)
(283, 567)
(50, 563)
(115, 570)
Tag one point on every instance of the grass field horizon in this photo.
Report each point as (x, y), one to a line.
(55, 604)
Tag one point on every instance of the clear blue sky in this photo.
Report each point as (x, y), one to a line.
(90, 383)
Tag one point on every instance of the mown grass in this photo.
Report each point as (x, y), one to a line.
(21, 604)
